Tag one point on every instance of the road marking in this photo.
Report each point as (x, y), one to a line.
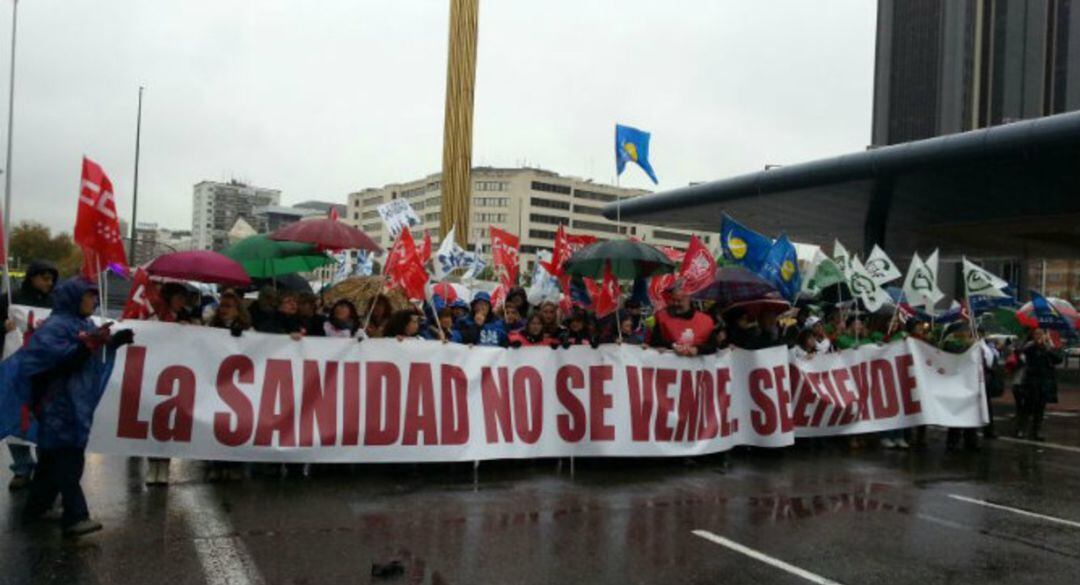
(812, 577)
(1016, 510)
(1068, 448)
(224, 558)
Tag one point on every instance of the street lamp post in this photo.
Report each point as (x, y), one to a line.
(135, 187)
(7, 166)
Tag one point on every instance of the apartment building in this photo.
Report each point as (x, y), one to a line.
(217, 206)
(531, 203)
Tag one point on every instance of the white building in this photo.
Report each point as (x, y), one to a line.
(531, 203)
(217, 206)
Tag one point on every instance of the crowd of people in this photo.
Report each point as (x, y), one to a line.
(684, 327)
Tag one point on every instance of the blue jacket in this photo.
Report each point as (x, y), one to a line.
(494, 333)
(56, 376)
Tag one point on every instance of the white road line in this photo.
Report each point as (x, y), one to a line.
(224, 559)
(1054, 519)
(811, 577)
(1068, 448)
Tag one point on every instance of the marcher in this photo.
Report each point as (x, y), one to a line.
(232, 316)
(404, 324)
(264, 309)
(1039, 384)
(36, 291)
(63, 365)
(576, 331)
(680, 326)
(343, 321)
(532, 334)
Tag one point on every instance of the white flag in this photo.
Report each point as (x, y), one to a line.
(365, 264)
(932, 264)
(449, 256)
(979, 282)
(920, 285)
(863, 286)
(544, 287)
(398, 214)
(881, 268)
(342, 260)
(841, 257)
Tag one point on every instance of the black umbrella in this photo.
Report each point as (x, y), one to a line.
(628, 259)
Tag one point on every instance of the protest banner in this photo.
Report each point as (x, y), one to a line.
(200, 393)
(397, 214)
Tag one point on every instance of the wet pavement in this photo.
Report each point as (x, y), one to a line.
(1007, 514)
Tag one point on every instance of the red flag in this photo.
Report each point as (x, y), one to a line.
(498, 296)
(605, 296)
(333, 215)
(97, 225)
(404, 267)
(698, 267)
(425, 249)
(143, 301)
(657, 287)
(565, 246)
(504, 256)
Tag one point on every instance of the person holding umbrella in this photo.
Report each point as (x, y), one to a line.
(680, 327)
(1039, 383)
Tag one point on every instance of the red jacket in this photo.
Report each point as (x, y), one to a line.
(520, 339)
(691, 328)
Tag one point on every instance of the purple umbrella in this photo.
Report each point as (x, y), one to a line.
(735, 284)
(200, 266)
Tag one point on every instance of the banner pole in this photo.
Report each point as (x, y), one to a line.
(371, 305)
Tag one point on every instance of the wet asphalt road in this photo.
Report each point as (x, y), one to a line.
(868, 517)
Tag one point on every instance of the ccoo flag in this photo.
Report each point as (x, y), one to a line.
(781, 268)
(743, 245)
(632, 145)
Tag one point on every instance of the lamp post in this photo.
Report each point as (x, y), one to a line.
(135, 187)
(7, 166)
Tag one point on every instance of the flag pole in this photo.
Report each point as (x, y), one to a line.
(7, 165)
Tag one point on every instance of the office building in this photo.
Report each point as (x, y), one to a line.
(217, 206)
(531, 203)
(944, 67)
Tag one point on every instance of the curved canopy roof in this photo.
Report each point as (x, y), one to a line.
(1006, 191)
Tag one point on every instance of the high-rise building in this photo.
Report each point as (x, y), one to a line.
(217, 206)
(531, 203)
(947, 66)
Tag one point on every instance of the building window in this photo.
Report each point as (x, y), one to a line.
(372, 227)
(550, 188)
(542, 234)
(599, 227)
(491, 201)
(489, 217)
(479, 233)
(548, 219)
(492, 185)
(548, 203)
(676, 236)
(533, 249)
(370, 214)
(373, 201)
(586, 210)
(356, 214)
(594, 196)
(414, 192)
(431, 216)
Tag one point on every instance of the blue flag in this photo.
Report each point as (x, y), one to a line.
(781, 268)
(1048, 315)
(743, 245)
(632, 145)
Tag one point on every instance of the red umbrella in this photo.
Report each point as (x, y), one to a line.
(201, 266)
(757, 306)
(328, 234)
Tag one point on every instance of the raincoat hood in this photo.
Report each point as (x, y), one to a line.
(68, 295)
(39, 267)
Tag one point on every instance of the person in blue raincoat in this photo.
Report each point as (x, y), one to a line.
(61, 373)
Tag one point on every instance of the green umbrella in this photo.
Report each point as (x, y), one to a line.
(629, 260)
(262, 257)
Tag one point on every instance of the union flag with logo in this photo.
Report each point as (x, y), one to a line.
(97, 224)
(504, 256)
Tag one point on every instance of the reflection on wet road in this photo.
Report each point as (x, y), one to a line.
(1007, 514)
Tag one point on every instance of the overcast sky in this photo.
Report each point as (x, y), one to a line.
(322, 98)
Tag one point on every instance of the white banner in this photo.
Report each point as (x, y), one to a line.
(193, 392)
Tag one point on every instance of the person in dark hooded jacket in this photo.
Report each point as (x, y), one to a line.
(62, 374)
(36, 291)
